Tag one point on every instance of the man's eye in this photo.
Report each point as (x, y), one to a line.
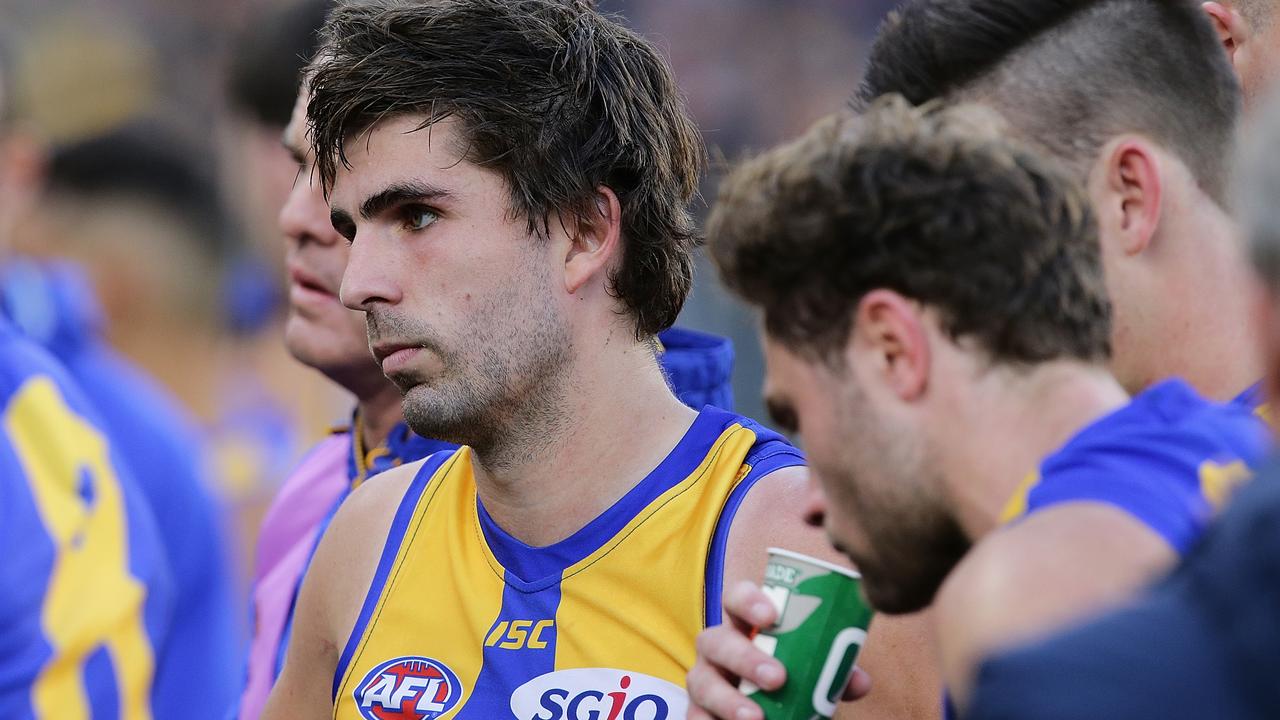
(419, 218)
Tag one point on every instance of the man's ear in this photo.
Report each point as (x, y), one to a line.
(1128, 192)
(1231, 27)
(888, 340)
(594, 240)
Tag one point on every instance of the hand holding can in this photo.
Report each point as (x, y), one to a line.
(822, 624)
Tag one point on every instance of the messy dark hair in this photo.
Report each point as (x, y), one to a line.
(930, 203)
(556, 98)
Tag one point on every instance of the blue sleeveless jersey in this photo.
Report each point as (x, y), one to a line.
(1169, 458)
(52, 304)
(465, 621)
(85, 592)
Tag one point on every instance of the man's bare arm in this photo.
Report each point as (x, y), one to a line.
(1056, 567)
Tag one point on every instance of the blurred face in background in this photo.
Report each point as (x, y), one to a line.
(319, 332)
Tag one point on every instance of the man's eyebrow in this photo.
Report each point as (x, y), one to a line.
(392, 195)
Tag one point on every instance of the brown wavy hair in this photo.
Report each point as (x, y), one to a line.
(928, 202)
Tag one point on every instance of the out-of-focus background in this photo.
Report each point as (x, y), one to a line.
(153, 166)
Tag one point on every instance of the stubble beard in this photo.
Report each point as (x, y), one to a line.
(504, 395)
(913, 538)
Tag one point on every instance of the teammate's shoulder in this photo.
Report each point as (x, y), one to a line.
(21, 359)
(769, 448)
(1168, 427)
(384, 492)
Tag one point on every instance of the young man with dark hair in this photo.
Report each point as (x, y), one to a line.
(514, 181)
(323, 334)
(1139, 101)
(1206, 641)
(937, 328)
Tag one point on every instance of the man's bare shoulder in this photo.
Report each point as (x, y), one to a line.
(352, 546)
(772, 515)
(1053, 568)
(381, 492)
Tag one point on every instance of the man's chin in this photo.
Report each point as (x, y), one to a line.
(898, 596)
(409, 382)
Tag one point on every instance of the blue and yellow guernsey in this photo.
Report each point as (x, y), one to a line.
(1169, 458)
(84, 586)
(464, 621)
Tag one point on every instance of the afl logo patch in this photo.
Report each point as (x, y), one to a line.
(408, 688)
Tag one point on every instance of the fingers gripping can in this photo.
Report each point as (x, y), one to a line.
(822, 624)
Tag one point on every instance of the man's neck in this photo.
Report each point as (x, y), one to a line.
(1209, 339)
(378, 413)
(617, 422)
(1011, 422)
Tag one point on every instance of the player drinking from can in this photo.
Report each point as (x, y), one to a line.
(1138, 101)
(514, 181)
(937, 328)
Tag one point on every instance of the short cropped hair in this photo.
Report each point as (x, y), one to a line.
(1072, 74)
(553, 96)
(926, 202)
(1259, 13)
(147, 162)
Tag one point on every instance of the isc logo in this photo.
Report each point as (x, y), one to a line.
(408, 688)
(598, 694)
(519, 634)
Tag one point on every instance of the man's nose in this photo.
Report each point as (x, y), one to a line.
(815, 503)
(370, 276)
(305, 215)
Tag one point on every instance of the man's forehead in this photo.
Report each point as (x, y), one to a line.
(408, 137)
(400, 149)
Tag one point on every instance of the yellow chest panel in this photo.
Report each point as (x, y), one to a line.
(464, 621)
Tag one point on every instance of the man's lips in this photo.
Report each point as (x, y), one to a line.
(307, 290)
(302, 279)
(395, 356)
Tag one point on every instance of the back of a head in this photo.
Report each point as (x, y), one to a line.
(269, 56)
(556, 98)
(930, 203)
(145, 164)
(1071, 74)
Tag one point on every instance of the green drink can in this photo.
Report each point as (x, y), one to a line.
(822, 624)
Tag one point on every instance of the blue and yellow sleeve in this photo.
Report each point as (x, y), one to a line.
(771, 453)
(1174, 484)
